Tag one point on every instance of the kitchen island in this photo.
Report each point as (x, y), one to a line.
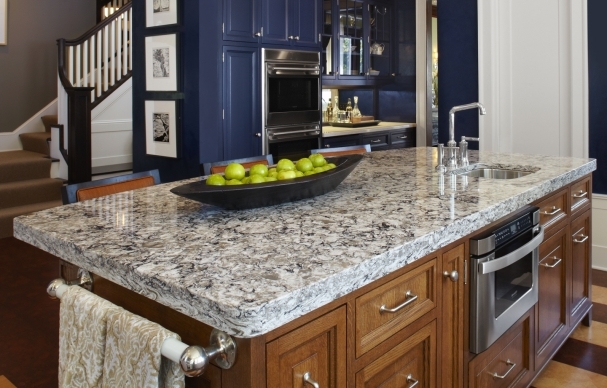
(261, 274)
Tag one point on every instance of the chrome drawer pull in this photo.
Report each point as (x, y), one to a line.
(581, 194)
(410, 379)
(557, 262)
(410, 299)
(512, 366)
(584, 238)
(402, 137)
(375, 141)
(308, 380)
(553, 212)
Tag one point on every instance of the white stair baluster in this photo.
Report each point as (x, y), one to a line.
(92, 66)
(125, 43)
(78, 63)
(131, 39)
(70, 64)
(98, 67)
(117, 52)
(106, 58)
(85, 63)
(112, 53)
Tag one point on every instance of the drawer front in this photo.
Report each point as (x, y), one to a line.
(341, 141)
(554, 209)
(409, 362)
(384, 311)
(402, 137)
(376, 141)
(580, 194)
(506, 367)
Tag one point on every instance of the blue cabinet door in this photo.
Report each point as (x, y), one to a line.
(275, 21)
(241, 102)
(305, 26)
(241, 21)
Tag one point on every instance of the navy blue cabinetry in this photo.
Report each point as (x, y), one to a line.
(241, 102)
(290, 22)
(241, 20)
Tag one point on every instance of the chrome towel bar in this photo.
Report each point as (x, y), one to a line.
(193, 359)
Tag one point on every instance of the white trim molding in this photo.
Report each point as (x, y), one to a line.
(9, 141)
(599, 231)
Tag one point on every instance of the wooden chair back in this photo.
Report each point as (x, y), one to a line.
(219, 167)
(78, 192)
(340, 151)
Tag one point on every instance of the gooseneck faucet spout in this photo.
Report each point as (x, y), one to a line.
(481, 108)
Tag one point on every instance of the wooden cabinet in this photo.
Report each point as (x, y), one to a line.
(409, 363)
(380, 140)
(580, 268)
(554, 210)
(315, 351)
(241, 102)
(453, 316)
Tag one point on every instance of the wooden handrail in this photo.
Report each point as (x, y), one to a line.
(99, 27)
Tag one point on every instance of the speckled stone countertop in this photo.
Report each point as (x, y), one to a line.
(248, 272)
(330, 131)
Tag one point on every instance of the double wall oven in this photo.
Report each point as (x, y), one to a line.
(291, 103)
(504, 276)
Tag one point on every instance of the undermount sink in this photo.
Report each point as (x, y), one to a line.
(496, 173)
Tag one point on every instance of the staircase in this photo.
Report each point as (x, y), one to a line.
(25, 183)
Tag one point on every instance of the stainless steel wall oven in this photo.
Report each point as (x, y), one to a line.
(504, 276)
(291, 108)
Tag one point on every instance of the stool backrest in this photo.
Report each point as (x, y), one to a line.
(219, 167)
(88, 190)
(340, 151)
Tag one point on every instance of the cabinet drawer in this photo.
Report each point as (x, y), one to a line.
(580, 194)
(554, 209)
(402, 137)
(504, 368)
(384, 311)
(376, 141)
(410, 361)
(341, 141)
(318, 349)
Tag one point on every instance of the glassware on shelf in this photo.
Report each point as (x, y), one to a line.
(355, 110)
(349, 111)
(329, 116)
(336, 110)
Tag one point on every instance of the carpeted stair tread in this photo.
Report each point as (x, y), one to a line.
(23, 165)
(49, 120)
(36, 142)
(22, 193)
(7, 215)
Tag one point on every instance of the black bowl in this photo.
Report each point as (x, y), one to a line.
(271, 193)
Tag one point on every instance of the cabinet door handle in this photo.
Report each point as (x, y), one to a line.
(512, 366)
(296, 37)
(376, 141)
(410, 379)
(402, 137)
(308, 380)
(327, 145)
(580, 194)
(556, 262)
(453, 275)
(410, 298)
(290, 37)
(584, 238)
(258, 134)
(553, 212)
(257, 34)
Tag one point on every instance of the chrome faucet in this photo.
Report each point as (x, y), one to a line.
(448, 158)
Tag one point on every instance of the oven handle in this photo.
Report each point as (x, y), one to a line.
(504, 261)
(312, 131)
(316, 68)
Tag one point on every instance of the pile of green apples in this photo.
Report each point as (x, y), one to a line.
(235, 173)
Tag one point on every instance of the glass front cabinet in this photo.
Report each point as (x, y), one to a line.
(356, 40)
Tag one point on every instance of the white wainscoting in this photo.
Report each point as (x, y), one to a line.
(533, 76)
(112, 129)
(599, 231)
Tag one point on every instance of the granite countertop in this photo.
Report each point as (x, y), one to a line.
(330, 131)
(248, 272)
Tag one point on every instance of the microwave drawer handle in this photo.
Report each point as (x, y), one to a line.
(504, 261)
(510, 364)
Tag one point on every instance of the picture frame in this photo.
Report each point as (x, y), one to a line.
(3, 22)
(161, 13)
(161, 66)
(162, 128)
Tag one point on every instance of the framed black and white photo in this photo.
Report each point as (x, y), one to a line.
(3, 22)
(161, 128)
(161, 63)
(160, 12)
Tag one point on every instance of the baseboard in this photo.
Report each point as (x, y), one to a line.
(9, 141)
(112, 168)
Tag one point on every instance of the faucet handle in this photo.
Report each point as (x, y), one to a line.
(466, 138)
(441, 157)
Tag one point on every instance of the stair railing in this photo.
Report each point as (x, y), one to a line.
(107, 8)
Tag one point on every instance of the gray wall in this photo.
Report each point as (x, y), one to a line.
(28, 64)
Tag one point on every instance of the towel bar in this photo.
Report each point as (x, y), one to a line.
(193, 359)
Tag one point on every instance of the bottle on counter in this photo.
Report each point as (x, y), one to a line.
(329, 111)
(355, 110)
(336, 110)
(349, 111)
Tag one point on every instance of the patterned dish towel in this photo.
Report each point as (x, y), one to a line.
(82, 337)
(132, 354)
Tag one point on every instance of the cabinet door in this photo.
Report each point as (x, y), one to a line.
(275, 20)
(305, 22)
(380, 38)
(241, 21)
(580, 300)
(316, 350)
(453, 317)
(410, 363)
(551, 314)
(241, 103)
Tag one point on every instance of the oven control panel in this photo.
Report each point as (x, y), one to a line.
(513, 228)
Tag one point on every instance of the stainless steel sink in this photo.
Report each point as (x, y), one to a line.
(496, 173)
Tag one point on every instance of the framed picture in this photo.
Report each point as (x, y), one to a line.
(3, 22)
(161, 63)
(162, 137)
(160, 12)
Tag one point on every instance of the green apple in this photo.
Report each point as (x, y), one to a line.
(234, 171)
(233, 182)
(259, 169)
(307, 173)
(299, 174)
(271, 179)
(304, 164)
(257, 179)
(318, 169)
(317, 160)
(216, 180)
(246, 180)
(285, 165)
(286, 174)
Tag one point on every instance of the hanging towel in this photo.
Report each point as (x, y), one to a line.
(82, 337)
(132, 354)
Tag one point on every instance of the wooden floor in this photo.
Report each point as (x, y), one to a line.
(29, 321)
